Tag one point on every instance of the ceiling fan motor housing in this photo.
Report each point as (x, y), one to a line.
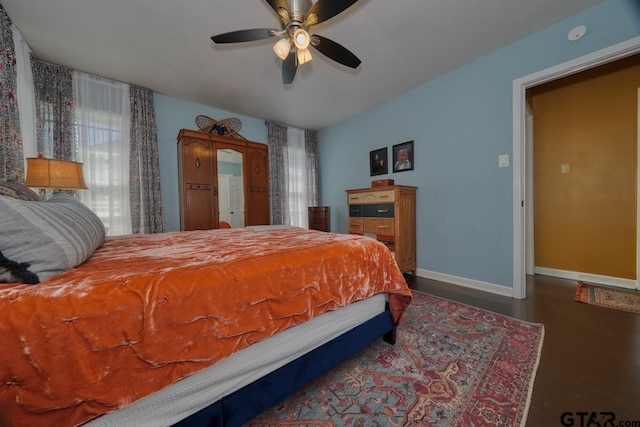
(298, 8)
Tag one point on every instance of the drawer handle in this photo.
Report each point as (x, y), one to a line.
(383, 210)
(353, 198)
(384, 196)
(383, 226)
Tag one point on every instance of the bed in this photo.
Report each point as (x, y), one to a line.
(183, 328)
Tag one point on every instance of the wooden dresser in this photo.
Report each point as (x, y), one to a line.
(387, 214)
(319, 218)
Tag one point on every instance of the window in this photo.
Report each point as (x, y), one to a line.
(296, 177)
(102, 132)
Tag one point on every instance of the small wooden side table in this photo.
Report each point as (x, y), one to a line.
(319, 218)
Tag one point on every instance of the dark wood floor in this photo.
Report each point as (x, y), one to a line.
(590, 356)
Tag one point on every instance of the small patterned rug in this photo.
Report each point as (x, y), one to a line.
(603, 296)
(452, 365)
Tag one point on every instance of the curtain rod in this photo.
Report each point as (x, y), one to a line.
(266, 122)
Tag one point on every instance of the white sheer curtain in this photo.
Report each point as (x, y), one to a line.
(297, 177)
(102, 120)
(26, 97)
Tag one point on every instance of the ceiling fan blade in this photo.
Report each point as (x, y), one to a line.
(327, 9)
(244, 35)
(275, 4)
(289, 68)
(335, 51)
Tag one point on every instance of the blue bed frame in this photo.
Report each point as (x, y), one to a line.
(250, 401)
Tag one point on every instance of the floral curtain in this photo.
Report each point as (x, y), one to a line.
(277, 143)
(11, 151)
(53, 87)
(281, 174)
(312, 167)
(144, 169)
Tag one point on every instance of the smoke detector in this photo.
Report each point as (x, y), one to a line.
(576, 33)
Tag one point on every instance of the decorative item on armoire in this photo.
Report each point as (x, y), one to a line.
(228, 127)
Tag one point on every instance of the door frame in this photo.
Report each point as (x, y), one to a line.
(520, 157)
(638, 198)
(530, 262)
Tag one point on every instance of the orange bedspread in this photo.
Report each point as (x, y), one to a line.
(147, 310)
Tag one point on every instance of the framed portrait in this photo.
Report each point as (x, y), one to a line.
(378, 163)
(403, 157)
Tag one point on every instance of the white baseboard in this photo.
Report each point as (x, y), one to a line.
(587, 277)
(467, 283)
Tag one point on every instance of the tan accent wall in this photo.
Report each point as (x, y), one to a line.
(585, 218)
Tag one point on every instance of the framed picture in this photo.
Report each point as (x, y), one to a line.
(378, 163)
(403, 157)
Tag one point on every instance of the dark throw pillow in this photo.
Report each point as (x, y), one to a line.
(18, 191)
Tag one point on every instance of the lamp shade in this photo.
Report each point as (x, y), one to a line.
(282, 48)
(54, 173)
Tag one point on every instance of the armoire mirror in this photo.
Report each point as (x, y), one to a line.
(230, 188)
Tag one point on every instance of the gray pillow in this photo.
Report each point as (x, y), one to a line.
(42, 239)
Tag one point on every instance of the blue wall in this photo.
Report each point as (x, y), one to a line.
(172, 115)
(460, 123)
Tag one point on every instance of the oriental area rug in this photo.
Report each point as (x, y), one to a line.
(452, 365)
(603, 296)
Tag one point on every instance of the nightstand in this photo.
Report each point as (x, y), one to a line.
(319, 218)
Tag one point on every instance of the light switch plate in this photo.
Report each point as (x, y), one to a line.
(503, 160)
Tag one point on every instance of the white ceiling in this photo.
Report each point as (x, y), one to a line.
(165, 45)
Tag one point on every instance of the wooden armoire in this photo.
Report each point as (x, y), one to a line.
(200, 179)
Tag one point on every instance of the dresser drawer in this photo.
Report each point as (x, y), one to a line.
(356, 211)
(379, 210)
(379, 226)
(318, 224)
(383, 196)
(356, 225)
(355, 198)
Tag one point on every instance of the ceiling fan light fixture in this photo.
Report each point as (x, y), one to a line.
(301, 39)
(282, 48)
(304, 56)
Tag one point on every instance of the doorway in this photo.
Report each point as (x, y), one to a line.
(520, 157)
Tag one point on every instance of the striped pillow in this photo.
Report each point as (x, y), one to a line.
(42, 239)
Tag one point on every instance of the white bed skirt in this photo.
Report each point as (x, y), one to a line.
(191, 394)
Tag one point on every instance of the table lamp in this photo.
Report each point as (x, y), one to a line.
(56, 174)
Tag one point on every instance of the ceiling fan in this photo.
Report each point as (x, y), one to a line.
(296, 19)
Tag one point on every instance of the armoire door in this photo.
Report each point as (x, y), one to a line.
(196, 187)
(258, 184)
